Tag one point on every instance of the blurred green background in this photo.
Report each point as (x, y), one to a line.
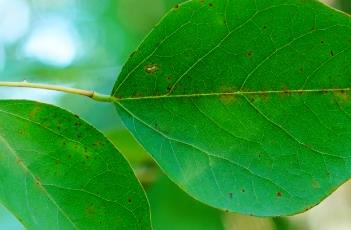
(84, 44)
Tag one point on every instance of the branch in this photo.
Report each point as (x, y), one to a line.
(91, 94)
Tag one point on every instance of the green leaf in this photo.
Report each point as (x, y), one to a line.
(58, 172)
(172, 209)
(245, 104)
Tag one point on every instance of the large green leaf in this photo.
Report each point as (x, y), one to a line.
(57, 172)
(245, 103)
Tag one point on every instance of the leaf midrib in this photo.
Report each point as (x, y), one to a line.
(239, 93)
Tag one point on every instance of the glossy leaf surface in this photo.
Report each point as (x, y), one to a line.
(58, 172)
(245, 103)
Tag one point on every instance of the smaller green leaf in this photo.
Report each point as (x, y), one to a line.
(58, 172)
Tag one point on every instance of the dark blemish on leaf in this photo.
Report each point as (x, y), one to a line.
(22, 132)
(211, 4)
(253, 98)
(242, 190)
(227, 98)
(332, 53)
(230, 195)
(324, 91)
(300, 91)
(264, 95)
(301, 70)
(34, 112)
(249, 53)
(286, 91)
(90, 210)
(157, 126)
(97, 143)
(177, 6)
(169, 78)
(151, 68)
(342, 95)
(76, 116)
(37, 181)
(279, 194)
(264, 27)
(227, 95)
(87, 157)
(316, 184)
(133, 54)
(322, 42)
(130, 200)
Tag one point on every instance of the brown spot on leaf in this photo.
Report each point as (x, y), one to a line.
(227, 98)
(285, 91)
(264, 96)
(90, 210)
(133, 54)
(37, 181)
(227, 95)
(316, 184)
(342, 95)
(279, 194)
(22, 132)
(34, 112)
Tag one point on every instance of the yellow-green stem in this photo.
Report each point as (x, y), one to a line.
(91, 94)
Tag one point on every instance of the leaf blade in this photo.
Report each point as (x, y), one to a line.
(227, 114)
(65, 173)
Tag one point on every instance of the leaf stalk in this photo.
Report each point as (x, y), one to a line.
(91, 94)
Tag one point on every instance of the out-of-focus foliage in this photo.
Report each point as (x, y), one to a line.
(172, 209)
(84, 44)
